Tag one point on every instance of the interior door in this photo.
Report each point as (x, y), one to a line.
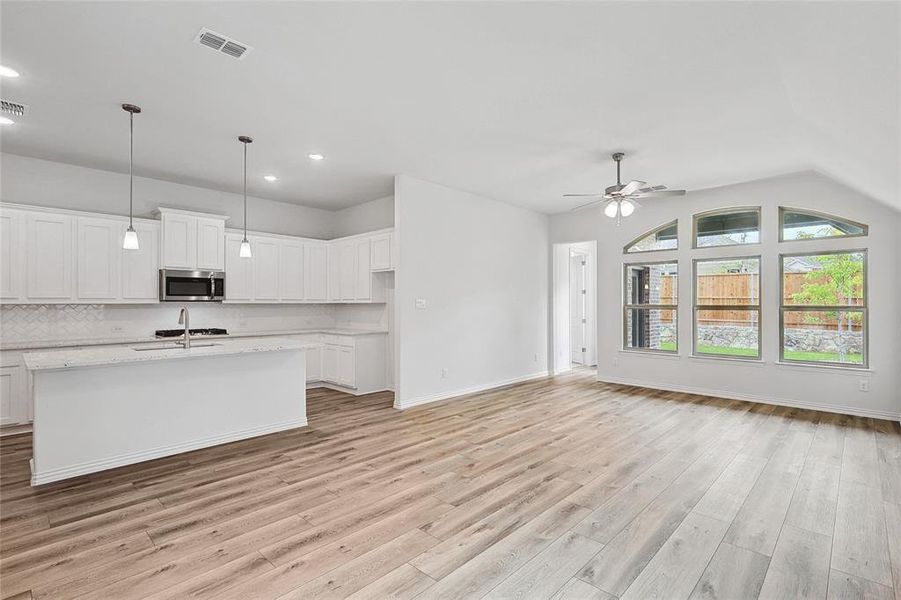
(578, 311)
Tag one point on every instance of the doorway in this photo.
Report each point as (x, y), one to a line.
(575, 306)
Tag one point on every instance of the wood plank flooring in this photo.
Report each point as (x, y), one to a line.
(560, 488)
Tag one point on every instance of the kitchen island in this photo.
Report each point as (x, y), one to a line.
(99, 408)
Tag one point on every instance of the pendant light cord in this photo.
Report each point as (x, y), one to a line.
(131, 161)
(245, 191)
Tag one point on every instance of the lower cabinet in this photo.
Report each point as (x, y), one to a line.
(355, 362)
(13, 407)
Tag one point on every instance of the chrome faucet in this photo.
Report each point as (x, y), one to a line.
(183, 319)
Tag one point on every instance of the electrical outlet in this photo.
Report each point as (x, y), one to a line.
(444, 373)
(536, 357)
(615, 361)
(863, 385)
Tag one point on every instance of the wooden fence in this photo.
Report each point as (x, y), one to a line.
(744, 288)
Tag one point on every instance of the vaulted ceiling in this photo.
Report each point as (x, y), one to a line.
(521, 102)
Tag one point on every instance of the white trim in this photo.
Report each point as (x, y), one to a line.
(346, 390)
(74, 213)
(831, 408)
(404, 404)
(161, 210)
(159, 452)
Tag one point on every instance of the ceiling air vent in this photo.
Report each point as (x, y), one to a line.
(13, 108)
(221, 43)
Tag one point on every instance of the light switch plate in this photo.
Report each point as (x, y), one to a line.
(421, 303)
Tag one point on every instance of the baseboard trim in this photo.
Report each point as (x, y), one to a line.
(135, 457)
(831, 408)
(402, 405)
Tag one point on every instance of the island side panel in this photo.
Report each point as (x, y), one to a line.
(94, 418)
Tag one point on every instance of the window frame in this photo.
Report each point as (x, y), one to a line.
(783, 308)
(723, 211)
(627, 306)
(650, 233)
(696, 308)
(784, 209)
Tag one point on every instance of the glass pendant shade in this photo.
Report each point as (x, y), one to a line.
(626, 208)
(245, 252)
(611, 209)
(131, 239)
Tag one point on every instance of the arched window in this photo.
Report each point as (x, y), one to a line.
(664, 237)
(802, 224)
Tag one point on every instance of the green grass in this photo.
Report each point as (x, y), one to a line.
(789, 354)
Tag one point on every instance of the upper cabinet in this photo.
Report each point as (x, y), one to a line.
(238, 271)
(140, 268)
(382, 252)
(12, 256)
(49, 257)
(98, 258)
(315, 271)
(291, 267)
(192, 240)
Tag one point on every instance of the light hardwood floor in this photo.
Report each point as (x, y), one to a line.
(556, 488)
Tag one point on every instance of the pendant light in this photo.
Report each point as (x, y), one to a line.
(131, 236)
(245, 252)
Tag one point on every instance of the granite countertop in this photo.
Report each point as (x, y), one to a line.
(150, 339)
(92, 357)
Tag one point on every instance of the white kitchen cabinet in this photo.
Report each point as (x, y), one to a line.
(12, 255)
(11, 397)
(98, 249)
(382, 257)
(334, 273)
(363, 270)
(265, 268)
(210, 244)
(315, 271)
(314, 364)
(291, 270)
(347, 276)
(346, 367)
(179, 241)
(238, 271)
(49, 257)
(193, 241)
(330, 363)
(140, 268)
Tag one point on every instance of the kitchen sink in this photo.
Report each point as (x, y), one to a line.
(175, 347)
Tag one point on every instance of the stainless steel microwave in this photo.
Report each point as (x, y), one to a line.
(191, 286)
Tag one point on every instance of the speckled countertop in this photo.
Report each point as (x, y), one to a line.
(114, 355)
(46, 344)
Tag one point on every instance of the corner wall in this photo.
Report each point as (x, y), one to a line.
(481, 267)
(833, 389)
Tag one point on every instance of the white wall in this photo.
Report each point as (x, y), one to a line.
(482, 268)
(38, 182)
(828, 388)
(369, 216)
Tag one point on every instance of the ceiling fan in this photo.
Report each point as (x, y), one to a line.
(621, 199)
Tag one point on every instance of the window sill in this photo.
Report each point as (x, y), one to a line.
(849, 370)
(751, 362)
(651, 353)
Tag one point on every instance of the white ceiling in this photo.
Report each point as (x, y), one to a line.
(522, 102)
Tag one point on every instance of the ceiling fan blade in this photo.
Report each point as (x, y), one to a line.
(659, 194)
(632, 187)
(589, 204)
(652, 188)
(583, 195)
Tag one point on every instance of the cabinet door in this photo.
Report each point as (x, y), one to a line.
(141, 267)
(314, 364)
(334, 272)
(98, 250)
(179, 240)
(363, 271)
(12, 255)
(315, 271)
(291, 269)
(330, 363)
(346, 366)
(265, 269)
(12, 407)
(49, 256)
(381, 252)
(346, 272)
(238, 271)
(210, 244)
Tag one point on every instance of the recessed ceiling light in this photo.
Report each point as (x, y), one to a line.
(270, 177)
(315, 156)
(6, 121)
(7, 72)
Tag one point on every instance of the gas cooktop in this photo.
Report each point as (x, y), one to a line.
(165, 333)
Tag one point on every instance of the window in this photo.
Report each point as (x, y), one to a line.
(649, 307)
(824, 308)
(809, 225)
(727, 227)
(727, 307)
(662, 238)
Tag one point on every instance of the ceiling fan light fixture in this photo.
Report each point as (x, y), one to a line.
(611, 209)
(626, 208)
